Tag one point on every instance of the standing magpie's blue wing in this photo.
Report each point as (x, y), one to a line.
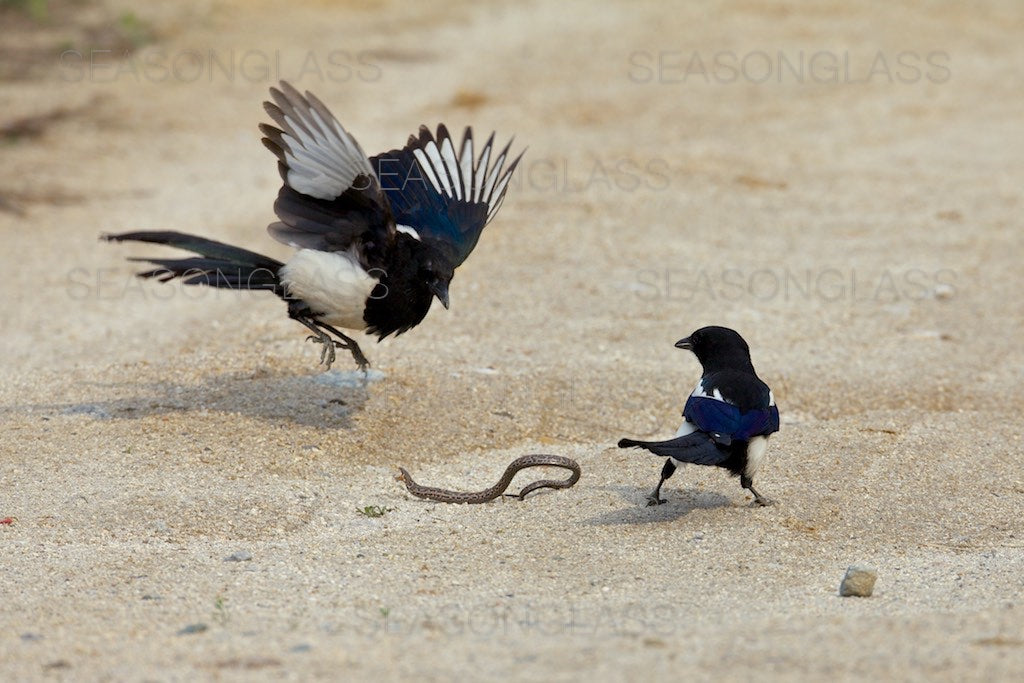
(726, 420)
(443, 193)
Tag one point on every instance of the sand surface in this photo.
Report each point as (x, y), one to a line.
(860, 224)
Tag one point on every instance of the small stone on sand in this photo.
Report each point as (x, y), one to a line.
(859, 581)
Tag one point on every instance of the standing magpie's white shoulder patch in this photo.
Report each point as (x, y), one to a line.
(700, 392)
(771, 398)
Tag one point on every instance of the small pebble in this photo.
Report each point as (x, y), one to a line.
(193, 628)
(859, 581)
(240, 556)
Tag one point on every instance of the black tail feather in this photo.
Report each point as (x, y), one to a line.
(217, 264)
(697, 448)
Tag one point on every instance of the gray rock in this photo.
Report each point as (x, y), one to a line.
(240, 556)
(859, 581)
(192, 629)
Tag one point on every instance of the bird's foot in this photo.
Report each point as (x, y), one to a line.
(653, 500)
(759, 500)
(360, 359)
(328, 355)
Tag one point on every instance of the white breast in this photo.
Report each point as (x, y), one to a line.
(332, 284)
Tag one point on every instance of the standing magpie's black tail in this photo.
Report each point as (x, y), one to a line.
(217, 264)
(697, 448)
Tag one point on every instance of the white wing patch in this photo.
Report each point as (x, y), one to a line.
(480, 170)
(457, 176)
(700, 392)
(408, 230)
(428, 169)
(466, 167)
(452, 166)
(323, 159)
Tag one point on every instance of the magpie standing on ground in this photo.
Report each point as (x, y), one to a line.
(728, 417)
(377, 238)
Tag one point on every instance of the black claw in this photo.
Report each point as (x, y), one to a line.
(327, 354)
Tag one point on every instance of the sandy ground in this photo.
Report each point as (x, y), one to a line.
(859, 224)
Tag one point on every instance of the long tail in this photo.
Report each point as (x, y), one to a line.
(698, 448)
(215, 265)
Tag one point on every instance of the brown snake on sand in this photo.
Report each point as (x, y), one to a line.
(521, 463)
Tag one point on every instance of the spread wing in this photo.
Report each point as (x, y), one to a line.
(445, 193)
(330, 199)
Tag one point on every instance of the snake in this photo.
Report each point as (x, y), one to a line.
(520, 463)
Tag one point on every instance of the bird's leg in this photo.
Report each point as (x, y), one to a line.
(748, 484)
(667, 471)
(350, 344)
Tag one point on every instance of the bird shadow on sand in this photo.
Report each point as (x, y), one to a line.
(680, 504)
(328, 399)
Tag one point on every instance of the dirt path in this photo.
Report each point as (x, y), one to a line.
(841, 184)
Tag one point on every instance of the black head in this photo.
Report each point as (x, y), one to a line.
(718, 348)
(436, 271)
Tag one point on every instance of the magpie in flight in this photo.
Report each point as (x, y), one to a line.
(377, 238)
(728, 417)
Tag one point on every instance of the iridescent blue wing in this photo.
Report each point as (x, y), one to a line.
(443, 193)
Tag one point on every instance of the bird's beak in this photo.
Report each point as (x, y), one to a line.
(684, 344)
(440, 290)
